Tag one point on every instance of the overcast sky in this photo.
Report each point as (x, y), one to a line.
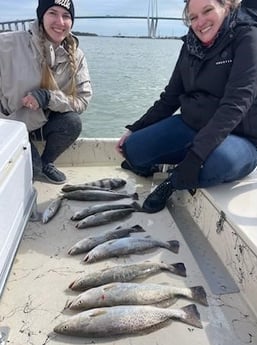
(24, 9)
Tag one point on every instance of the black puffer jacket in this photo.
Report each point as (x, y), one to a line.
(215, 88)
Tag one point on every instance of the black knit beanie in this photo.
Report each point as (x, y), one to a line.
(249, 3)
(44, 5)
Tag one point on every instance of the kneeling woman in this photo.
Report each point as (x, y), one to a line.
(44, 82)
(214, 85)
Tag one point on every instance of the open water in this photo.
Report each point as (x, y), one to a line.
(127, 75)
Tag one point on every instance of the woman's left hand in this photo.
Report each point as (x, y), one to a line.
(186, 174)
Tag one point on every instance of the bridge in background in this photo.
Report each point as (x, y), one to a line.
(152, 20)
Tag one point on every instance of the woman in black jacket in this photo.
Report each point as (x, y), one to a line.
(214, 86)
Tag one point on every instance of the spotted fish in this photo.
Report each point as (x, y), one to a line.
(88, 243)
(125, 273)
(126, 246)
(118, 320)
(112, 294)
(97, 195)
(93, 209)
(105, 183)
(51, 210)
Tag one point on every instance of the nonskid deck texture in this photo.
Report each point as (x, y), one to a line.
(37, 288)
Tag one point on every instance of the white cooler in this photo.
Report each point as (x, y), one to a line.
(17, 195)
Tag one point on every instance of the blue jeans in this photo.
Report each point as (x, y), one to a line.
(167, 142)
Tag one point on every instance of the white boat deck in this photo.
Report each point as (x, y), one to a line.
(238, 200)
(37, 288)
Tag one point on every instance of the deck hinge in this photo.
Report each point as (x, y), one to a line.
(220, 222)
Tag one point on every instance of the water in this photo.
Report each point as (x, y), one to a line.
(127, 75)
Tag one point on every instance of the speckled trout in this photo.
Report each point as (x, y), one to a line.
(118, 320)
(93, 209)
(112, 294)
(97, 195)
(88, 243)
(51, 210)
(126, 246)
(105, 183)
(125, 273)
(105, 217)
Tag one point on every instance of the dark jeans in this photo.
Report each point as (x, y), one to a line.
(60, 131)
(166, 142)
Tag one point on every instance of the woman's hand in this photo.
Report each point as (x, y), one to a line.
(38, 98)
(30, 102)
(120, 143)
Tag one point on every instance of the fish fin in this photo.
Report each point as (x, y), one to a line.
(136, 206)
(191, 316)
(166, 303)
(178, 269)
(174, 246)
(135, 196)
(97, 312)
(199, 295)
(109, 286)
(138, 228)
(118, 227)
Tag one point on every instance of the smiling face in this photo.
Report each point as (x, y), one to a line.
(57, 23)
(206, 18)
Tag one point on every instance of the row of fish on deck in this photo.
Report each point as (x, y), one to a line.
(109, 303)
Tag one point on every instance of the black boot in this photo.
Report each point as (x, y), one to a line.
(156, 201)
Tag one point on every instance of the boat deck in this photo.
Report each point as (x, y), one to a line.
(37, 288)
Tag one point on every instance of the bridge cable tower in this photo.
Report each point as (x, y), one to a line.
(152, 18)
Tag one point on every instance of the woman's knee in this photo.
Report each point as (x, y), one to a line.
(67, 124)
(73, 123)
(234, 159)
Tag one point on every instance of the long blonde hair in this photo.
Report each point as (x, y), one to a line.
(47, 79)
(232, 5)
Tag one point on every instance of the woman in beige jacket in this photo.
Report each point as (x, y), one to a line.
(44, 82)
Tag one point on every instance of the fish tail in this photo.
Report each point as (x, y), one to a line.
(199, 295)
(178, 268)
(137, 228)
(174, 246)
(115, 184)
(135, 196)
(136, 206)
(191, 316)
